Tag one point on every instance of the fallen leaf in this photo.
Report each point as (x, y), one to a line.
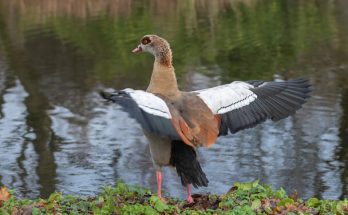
(28, 210)
(15, 211)
(294, 196)
(232, 189)
(5, 195)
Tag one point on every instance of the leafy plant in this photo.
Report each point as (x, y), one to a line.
(243, 198)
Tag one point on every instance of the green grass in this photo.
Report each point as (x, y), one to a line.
(243, 198)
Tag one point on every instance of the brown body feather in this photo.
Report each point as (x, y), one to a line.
(192, 119)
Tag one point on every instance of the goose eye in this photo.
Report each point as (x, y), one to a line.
(145, 40)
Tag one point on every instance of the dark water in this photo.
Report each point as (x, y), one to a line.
(57, 134)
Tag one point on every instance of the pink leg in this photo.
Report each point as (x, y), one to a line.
(189, 197)
(159, 183)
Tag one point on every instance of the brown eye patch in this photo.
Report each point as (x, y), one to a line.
(145, 40)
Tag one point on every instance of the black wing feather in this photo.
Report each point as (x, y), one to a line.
(149, 122)
(275, 101)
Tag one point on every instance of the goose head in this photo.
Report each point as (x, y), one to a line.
(157, 46)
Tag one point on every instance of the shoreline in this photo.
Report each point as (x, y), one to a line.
(242, 198)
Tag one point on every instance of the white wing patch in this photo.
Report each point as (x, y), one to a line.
(224, 98)
(149, 103)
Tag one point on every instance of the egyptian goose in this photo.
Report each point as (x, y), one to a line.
(177, 122)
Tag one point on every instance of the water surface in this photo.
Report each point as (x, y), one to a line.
(56, 133)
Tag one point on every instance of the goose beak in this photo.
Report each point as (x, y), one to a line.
(137, 50)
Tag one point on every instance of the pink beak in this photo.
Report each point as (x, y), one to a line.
(137, 50)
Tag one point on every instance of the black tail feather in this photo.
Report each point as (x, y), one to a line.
(184, 159)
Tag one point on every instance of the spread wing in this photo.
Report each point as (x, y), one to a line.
(243, 105)
(149, 110)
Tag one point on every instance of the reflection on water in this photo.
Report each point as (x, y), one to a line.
(57, 134)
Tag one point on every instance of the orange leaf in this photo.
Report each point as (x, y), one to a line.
(4, 195)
